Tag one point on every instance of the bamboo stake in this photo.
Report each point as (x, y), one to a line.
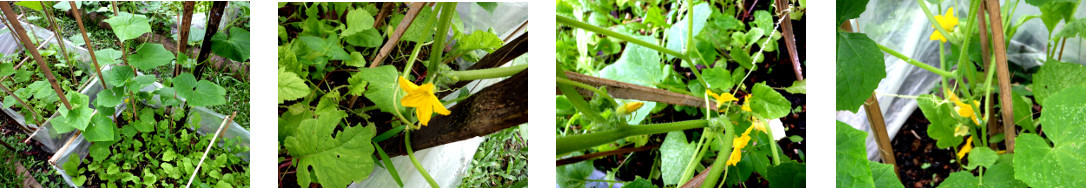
(183, 36)
(87, 41)
(34, 51)
(57, 33)
(395, 38)
(217, 133)
(1003, 74)
(874, 116)
(789, 39)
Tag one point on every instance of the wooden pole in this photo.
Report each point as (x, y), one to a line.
(213, 20)
(789, 39)
(87, 41)
(58, 35)
(395, 37)
(874, 116)
(183, 36)
(1003, 74)
(34, 51)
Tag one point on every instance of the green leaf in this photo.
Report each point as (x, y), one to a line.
(480, 39)
(961, 179)
(488, 6)
(574, 175)
(675, 152)
(358, 20)
(35, 5)
(860, 67)
(1023, 111)
(358, 84)
(1055, 76)
(72, 165)
(676, 34)
(982, 156)
(235, 47)
(358, 60)
(77, 118)
(1002, 173)
(102, 130)
(1076, 28)
(883, 175)
(422, 28)
(852, 165)
(1052, 13)
(99, 151)
(382, 87)
(1059, 165)
(202, 93)
(150, 55)
(638, 65)
(329, 46)
(849, 9)
(938, 112)
(108, 56)
(110, 97)
(7, 69)
(65, 6)
(169, 155)
(368, 38)
(718, 78)
(129, 26)
(334, 161)
(118, 75)
(787, 174)
(768, 103)
(291, 87)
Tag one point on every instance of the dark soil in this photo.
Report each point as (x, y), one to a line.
(913, 149)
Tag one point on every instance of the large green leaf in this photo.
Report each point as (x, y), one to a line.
(110, 97)
(574, 175)
(860, 67)
(7, 68)
(938, 112)
(1062, 164)
(853, 168)
(76, 118)
(421, 29)
(961, 179)
(358, 20)
(326, 46)
(768, 103)
(368, 38)
(1055, 76)
(382, 88)
(675, 152)
(150, 55)
(101, 130)
(118, 75)
(1076, 28)
(787, 174)
(479, 39)
(718, 78)
(999, 175)
(333, 161)
(235, 47)
(202, 93)
(638, 65)
(676, 34)
(129, 26)
(35, 5)
(291, 86)
(1052, 13)
(108, 56)
(849, 9)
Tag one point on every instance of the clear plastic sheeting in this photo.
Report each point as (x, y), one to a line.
(902, 26)
(447, 164)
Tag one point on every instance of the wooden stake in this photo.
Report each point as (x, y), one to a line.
(183, 36)
(57, 33)
(395, 37)
(90, 45)
(874, 116)
(1003, 74)
(790, 39)
(212, 27)
(34, 51)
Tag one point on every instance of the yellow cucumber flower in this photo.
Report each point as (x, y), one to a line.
(721, 99)
(966, 111)
(746, 103)
(965, 149)
(630, 107)
(961, 130)
(947, 21)
(757, 124)
(738, 144)
(950, 96)
(423, 99)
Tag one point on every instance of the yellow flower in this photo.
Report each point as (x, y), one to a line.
(721, 99)
(966, 111)
(951, 96)
(947, 21)
(738, 144)
(965, 149)
(961, 130)
(757, 124)
(423, 99)
(630, 107)
(746, 103)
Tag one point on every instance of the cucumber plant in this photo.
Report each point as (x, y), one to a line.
(972, 96)
(334, 94)
(142, 133)
(702, 52)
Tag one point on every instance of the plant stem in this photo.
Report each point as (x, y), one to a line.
(439, 40)
(915, 62)
(937, 26)
(418, 166)
(720, 164)
(572, 143)
(576, 99)
(487, 73)
(577, 24)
